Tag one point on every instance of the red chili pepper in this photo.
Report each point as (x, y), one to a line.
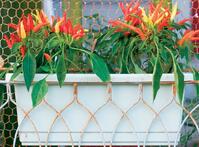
(65, 16)
(151, 8)
(12, 40)
(43, 17)
(156, 11)
(121, 5)
(78, 32)
(30, 23)
(194, 38)
(24, 19)
(163, 24)
(14, 26)
(15, 37)
(130, 12)
(46, 33)
(23, 51)
(65, 26)
(70, 28)
(127, 33)
(7, 41)
(47, 57)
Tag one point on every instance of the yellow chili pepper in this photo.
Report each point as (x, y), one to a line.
(174, 11)
(22, 31)
(57, 25)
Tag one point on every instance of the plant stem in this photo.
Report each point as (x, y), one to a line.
(78, 49)
(73, 64)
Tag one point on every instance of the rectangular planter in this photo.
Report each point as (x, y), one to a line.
(88, 112)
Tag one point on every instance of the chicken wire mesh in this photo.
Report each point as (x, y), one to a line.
(94, 16)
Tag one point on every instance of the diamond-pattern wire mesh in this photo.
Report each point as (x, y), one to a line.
(94, 15)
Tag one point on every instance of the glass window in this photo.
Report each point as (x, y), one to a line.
(98, 12)
(90, 9)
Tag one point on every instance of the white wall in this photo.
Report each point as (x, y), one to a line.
(184, 7)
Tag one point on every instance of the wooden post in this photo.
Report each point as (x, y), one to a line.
(165, 2)
(74, 10)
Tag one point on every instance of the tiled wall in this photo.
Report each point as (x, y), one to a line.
(195, 11)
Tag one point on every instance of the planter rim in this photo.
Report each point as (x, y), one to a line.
(92, 78)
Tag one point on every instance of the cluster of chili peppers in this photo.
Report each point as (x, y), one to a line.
(157, 17)
(65, 26)
(34, 23)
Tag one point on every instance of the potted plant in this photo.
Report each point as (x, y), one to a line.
(59, 100)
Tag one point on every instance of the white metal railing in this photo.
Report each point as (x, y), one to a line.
(51, 7)
(188, 115)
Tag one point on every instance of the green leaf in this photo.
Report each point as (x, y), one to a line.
(53, 43)
(2, 92)
(115, 47)
(100, 68)
(40, 58)
(197, 56)
(179, 78)
(15, 47)
(39, 91)
(44, 68)
(138, 69)
(165, 55)
(157, 74)
(196, 77)
(16, 73)
(184, 52)
(61, 70)
(187, 54)
(29, 69)
(36, 42)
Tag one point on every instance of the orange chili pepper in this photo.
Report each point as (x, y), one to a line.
(135, 29)
(38, 27)
(156, 11)
(184, 21)
(47, 57)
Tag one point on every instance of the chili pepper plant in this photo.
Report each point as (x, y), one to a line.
(41, 46)
(145, 40)
(149, 40)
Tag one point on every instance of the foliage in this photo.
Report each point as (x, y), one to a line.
(148, 40)
(44, 47)
(190, 130)
(145, 40)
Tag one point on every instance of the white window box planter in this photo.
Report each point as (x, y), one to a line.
(88, 112)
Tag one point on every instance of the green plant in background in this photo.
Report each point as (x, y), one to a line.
(189, 131)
